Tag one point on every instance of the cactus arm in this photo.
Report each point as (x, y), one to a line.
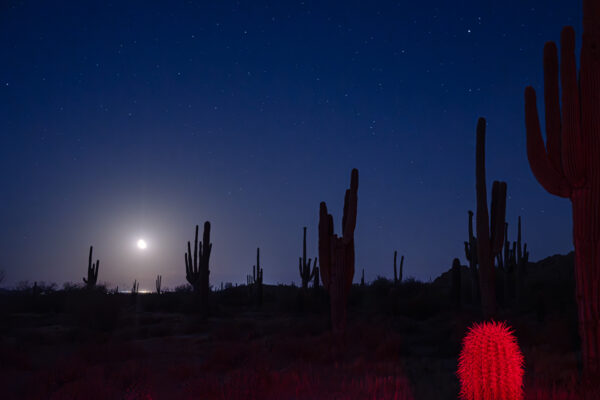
(470, 225)
(90, 259)
(401, 269)
(551, 179)
(189, 267)
(310, 273)
(304, 244)
(196, 251)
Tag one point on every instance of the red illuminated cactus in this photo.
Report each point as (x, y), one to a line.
(336, 254)
(490, 365)
(568, 165)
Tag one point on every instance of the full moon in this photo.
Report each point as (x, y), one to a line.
(141, 244)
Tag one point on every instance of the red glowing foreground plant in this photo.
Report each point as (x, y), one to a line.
(490, 366)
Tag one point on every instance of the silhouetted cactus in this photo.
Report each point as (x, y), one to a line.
(158, 283)
(514, 265)
(316, 282)
(522, 259)
(490, 232)
(306, 273)
(336, 254)
(506, 263)
(197, 269)
(568, 165)
(398, 278)
(92, 272)
(471, 255)
(456, 282)
(362, 278)
(135, 287)
(504, 260)
(257, 277)
(490, 364)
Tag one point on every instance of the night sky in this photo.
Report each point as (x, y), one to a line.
(144, 119)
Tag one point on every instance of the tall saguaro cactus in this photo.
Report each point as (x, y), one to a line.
(569, 164)
(304, 267)
(196, 269)
(337, 254)
(92, 271)
(158, 284)
(490, 231)
(257, 278)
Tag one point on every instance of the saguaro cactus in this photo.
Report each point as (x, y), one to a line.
(92, 271)
(471, 255)
(257, 278)
(489, 238)
(158, 284)
(196, 269)
(304, 267)
(337, 254)
(569, 164)
(398, 278)
(135, 288)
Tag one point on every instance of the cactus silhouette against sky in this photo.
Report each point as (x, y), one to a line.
(92, 271)
(197, 269)
(568, 165)
(257, 279)
(336, 254)
(490, 229)
(306, 273)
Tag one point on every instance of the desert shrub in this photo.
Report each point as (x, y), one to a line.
(380, 287)
(94, 310)
(185, 288)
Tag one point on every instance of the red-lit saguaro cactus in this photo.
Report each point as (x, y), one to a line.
(490, 365)
(569, 164)
(337, 254)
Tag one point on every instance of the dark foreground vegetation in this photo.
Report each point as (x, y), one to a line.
(402, 341)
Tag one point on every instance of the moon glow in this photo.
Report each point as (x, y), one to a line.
(141, 244)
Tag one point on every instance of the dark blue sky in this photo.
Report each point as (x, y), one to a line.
(143, 119)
